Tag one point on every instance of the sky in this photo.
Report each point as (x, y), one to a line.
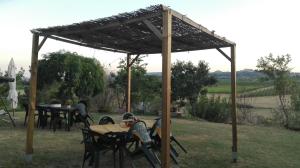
(258, 27)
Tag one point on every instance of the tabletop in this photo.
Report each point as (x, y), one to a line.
(61, 108)
(116, 128)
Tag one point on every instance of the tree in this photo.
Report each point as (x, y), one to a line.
(73, 75)
(19, 78)
(189, 80)
(143, 86)
(277, 69)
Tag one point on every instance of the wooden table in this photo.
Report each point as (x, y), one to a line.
(116, 128)
(120, 129)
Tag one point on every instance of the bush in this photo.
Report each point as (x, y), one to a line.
(290, 119)
(215, 109)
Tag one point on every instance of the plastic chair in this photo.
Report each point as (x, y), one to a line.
(155, 135)
(93, 147)
(139, 131)
(106, 120)
(127, 116)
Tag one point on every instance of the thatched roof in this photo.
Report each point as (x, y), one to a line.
(137, 32)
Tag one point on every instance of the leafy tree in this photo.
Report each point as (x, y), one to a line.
(143, 86)
(277, 69)
(19, 78)
(77, 76)
(189, 80)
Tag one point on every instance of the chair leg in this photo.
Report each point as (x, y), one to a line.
(83, 161)
(25, 119)
(173, 150)
(150, 156)
(114, 156)
(173, 139)
(173, 156)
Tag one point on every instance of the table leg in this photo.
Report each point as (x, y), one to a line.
(96, 159)
(121, 156)
(68, 120)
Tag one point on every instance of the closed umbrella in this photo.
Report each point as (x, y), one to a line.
(12, 94)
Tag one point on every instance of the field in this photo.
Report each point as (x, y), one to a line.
(208, 144)
(223, 86)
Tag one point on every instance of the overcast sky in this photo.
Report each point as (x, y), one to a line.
(257, 26)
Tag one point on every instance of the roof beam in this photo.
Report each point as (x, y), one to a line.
(84, 44)
(113, 24)
(224, 54)
(198, 26)
(42, 43)
(133, 60)
(153, 28)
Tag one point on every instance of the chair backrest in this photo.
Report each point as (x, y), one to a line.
(106, 120)
(155, 127)
(25, 105)
(127, 116)
(88, 139)
(139, 129)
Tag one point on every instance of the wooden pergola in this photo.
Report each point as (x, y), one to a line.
(156, 29)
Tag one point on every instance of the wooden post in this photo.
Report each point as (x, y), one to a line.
(128, 93)
(166, 88)
(233, 99)
(32, 98)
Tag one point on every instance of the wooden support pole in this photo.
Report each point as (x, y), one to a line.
(32, 98)
(166, 88)
(233, 99)
(128, 92)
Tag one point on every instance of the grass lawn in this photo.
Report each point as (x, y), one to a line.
(223, 86)
(208, 144)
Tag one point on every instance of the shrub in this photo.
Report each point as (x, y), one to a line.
(290, 119)
(215, 109)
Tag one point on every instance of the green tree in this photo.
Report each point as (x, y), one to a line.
(75, 75)
(277, 69)
(143, 86)
(189, 80)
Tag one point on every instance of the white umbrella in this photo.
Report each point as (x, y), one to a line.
(13, 94)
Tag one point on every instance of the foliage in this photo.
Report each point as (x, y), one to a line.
(274, 67)
(215, 109)
(105, 100)
(20, 78)
(189, 80)
(277, 69)
(143, 87)
(245, 108)
(295, 107)
(77, 76)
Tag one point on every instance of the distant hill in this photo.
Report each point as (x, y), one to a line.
(242, 74)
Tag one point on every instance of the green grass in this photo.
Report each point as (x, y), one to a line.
(223, 86)
(208, 144)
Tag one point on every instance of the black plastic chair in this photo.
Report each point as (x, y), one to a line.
(26, 108)
(93, 147)
(56, 119)
(90, 147)
(106, 120)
